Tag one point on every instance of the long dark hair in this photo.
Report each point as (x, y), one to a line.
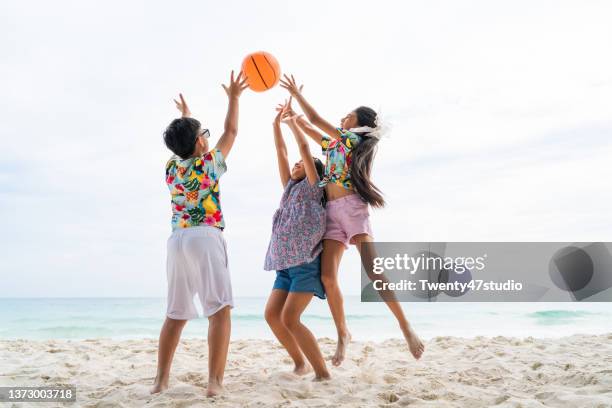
(319, 166)
(362, 158)
(321, 172)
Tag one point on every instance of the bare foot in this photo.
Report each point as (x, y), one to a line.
(302, 369)
(158, 387)
(323, 377)
(414, 343)
(343, 342)
(214, 389)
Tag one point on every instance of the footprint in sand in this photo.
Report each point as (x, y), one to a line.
(500, 399)
(544, 395)
(390, 397)
(193, 378)
(391, 379)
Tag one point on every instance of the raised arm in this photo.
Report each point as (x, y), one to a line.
(296, 91)
(233, 91)
(309, 130)
(281, 149)
(303, 123)
(181, 105)
(300, 138)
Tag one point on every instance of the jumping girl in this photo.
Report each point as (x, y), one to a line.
(350, 151)
(295, 248)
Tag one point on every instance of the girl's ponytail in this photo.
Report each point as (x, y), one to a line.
(362, 158)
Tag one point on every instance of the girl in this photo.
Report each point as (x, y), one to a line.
(294, 250)
(350, 152)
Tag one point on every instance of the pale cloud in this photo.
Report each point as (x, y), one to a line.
(500, 111)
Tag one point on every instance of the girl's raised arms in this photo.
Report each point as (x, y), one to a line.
(309, 166)
(296, 91)
(309, 130)
(281, 148)
(303, 123)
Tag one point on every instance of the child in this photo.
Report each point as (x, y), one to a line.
(197, 256)
(294, 250)
(350, 152)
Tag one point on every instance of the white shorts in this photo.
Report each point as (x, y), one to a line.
(197, 263)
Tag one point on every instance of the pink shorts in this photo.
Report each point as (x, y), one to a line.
(346, 217)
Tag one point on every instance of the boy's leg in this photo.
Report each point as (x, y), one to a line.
(368, 254)
(219, 328)
(292, 311)
(330, 262)
(274, 308)
(168, 340)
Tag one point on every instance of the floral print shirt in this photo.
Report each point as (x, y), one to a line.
(194, 190)
(297, 227)
(338, 152)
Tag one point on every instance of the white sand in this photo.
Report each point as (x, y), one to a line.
(574, 371)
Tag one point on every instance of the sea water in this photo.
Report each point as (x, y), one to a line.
(128, 318)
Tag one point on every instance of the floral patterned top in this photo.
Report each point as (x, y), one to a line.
(338, 153)
(194, 187)
(297, 227)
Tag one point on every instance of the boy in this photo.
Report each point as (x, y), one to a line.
(197, 256)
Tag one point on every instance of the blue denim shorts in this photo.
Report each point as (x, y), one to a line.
(302, 278)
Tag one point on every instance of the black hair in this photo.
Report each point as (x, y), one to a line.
(362, 158)
(319, 166)
(180, 136)
(321, 171)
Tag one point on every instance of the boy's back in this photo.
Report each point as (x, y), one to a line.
(194, 190)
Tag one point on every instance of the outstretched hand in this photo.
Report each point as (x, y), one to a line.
(284, 109)
(280, 108)
(290, 85)
(236, 86)
(289, 117)
(289, 108)
(181, 105)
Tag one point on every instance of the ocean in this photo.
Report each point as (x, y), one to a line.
(129, 318)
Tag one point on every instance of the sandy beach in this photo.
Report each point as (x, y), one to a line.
(573, 371)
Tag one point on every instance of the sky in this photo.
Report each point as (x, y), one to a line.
(501, 117)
